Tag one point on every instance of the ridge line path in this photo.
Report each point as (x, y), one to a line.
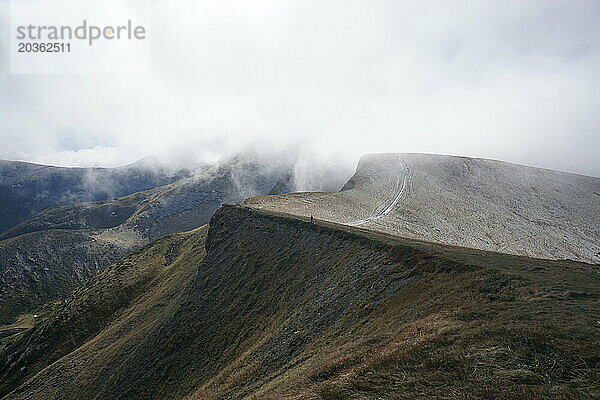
(404, 179)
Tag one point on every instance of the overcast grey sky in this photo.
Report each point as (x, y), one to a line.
(511, 80)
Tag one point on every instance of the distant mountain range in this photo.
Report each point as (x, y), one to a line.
(26, 188)
(182, 205)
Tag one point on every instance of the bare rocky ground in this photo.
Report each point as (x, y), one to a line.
(469, 202)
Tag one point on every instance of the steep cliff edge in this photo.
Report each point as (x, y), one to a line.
(274, 307)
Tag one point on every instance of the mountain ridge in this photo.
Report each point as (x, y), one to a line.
(422, 311)
(477, 203)
(327, 296)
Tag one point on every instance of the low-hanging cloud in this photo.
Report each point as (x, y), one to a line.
(511, 80)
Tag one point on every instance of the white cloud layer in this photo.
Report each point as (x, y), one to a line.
(512, 80)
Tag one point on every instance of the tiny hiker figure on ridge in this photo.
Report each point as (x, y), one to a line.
(311, 219)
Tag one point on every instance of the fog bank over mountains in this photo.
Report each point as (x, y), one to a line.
(509, 80)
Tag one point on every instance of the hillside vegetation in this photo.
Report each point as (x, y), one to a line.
(49, 255)
(46, 266)
(266, 306)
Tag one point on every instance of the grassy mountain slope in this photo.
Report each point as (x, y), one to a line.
(46, 266)
(268, 306)
(38, 267)
(26, 188)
